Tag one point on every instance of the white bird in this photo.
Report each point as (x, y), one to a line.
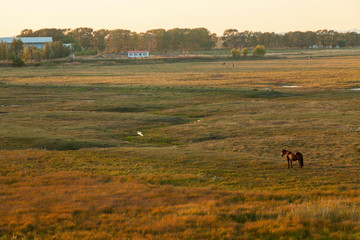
(140, 133)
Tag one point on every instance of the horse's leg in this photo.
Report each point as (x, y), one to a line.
(288, 162)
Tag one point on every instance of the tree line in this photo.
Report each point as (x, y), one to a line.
(120, 40)
(232, 38)
(179, 39)
(86, 40)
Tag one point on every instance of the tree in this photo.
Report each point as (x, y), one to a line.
(310, 38)
(161, 40)
(259, 51)
(177, 39)
(16, 47)
(255, 38)
(56, 34)
(27, 53)
(200, 39)
(342, 43)
(55, 50)
(245, 52)
(99, 39)
(36, 54)
(26, 33)
(148, 41)
(244, 38)
(47, 51)
(352, 39)
(231, 38)
(58, 49)
(83, 37)
(235, 53)
(118, 40)
(134, 43)
(4, 51)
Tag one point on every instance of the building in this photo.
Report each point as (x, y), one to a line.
(69, 45)
(138, 54)
(38, 42)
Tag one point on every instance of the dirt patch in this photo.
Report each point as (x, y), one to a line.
(71, 64)
(291, 86)
(217, 76)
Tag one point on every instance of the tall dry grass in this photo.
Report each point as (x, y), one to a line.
(334, 210)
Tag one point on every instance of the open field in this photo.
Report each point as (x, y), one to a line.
(290, 53)
(208, 166)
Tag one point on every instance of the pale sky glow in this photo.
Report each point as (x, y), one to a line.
(216, 16)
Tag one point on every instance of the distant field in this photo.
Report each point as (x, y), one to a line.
(319, 73)
(208, 166)
(290, 53)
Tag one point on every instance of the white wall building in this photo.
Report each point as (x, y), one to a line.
(138, 54)
(37, 42)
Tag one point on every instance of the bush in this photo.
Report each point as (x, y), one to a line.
(235, 53)
(18, 62)
(245, 52)
(86, 52)
(259, 51)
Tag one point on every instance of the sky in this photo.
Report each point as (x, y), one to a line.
(142, 15)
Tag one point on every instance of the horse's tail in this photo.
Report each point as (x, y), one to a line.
(301, 160)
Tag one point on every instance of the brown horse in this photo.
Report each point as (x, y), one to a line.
(290, 156)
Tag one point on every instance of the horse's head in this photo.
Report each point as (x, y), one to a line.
(283, 152)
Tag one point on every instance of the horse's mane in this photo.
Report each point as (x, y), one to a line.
(287, 151)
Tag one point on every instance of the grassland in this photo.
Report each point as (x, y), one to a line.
(72, 165)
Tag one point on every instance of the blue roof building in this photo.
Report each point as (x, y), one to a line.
(37, 42)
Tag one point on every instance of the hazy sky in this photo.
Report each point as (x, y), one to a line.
(216, 16)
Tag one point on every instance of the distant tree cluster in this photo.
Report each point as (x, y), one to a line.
(232, 38)
(120, 40)
(19, 53)
(259, 51)
(12, 52)
(236, 53)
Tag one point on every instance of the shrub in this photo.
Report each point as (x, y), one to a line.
(245, 52)
(235, 53)
(259, 51)
(18, 62)
(86, 52)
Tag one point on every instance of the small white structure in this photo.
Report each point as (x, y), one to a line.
(138, 54)
(69, 45)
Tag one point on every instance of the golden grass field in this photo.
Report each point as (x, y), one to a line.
(208, 166)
